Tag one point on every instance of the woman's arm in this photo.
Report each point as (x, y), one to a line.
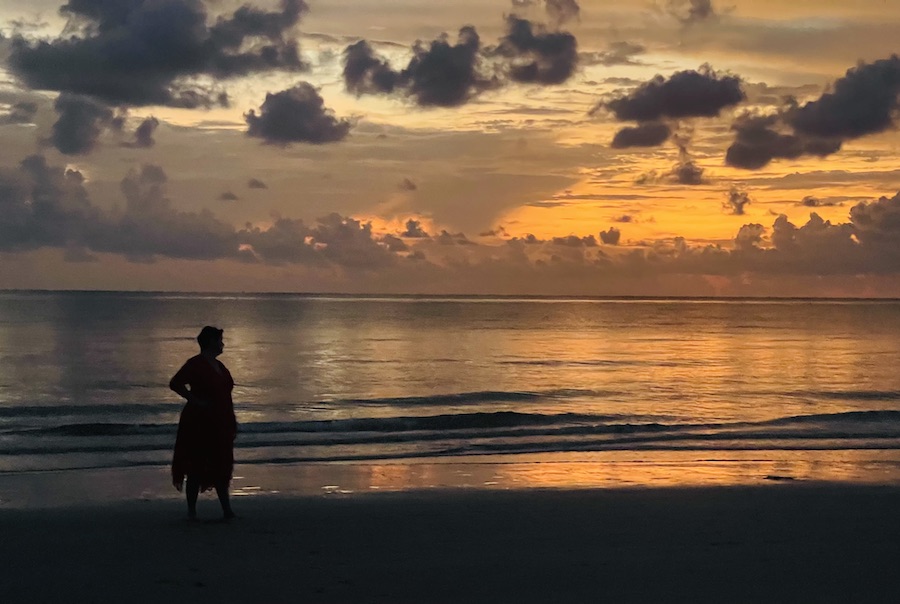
(180, 382)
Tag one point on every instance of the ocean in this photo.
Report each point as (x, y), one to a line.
(800, 388)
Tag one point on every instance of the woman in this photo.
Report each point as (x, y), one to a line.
(204, 446)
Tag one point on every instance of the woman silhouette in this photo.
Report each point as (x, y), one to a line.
(204, 446)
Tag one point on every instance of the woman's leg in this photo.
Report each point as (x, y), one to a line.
(222, 493)
(192, 488)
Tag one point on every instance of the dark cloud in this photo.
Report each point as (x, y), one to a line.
(143, 134)
(876, 226)
(611, 236)
(686, 171)
(394, 243)
(414, 230)
(151, 226)
(22, 112)
(561, 11)
(46, 206)
(528, 239)
(624, 218)
(443, 74)
(407, 185)
(558, 11)
(334, 240)
(364, 73)
(297, 114)
(737, 198)
(701, 93)
(575, 241)
(758, 141)
(438, 74)
(81, 122)
(498, 231)
(42, 206)
(691, 11)
(536, 55)
(228, 196)
(814, 202)
(146, 52)
(650, 134)
(446, 238)
(864, 101)
(255, 183)
(749, 236)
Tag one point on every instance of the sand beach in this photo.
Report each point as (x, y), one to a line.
(773, 542)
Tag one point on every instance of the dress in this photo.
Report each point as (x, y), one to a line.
(204, 446)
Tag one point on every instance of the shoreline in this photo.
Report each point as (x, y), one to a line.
(521, 472)
(785, 542)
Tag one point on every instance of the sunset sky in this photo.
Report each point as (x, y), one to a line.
(556, 147)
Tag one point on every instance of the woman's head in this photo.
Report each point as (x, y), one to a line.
(210, 339)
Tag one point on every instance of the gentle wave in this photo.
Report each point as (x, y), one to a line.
(484, 433)
(456, 398)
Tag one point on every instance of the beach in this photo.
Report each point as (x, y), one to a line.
(778, 541)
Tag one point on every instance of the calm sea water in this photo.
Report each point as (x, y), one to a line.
(83, 376)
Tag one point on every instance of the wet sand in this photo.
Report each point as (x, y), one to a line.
(790, 542)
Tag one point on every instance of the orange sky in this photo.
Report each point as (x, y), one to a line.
(501, 174)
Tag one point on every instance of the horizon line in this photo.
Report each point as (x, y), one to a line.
(457, 296)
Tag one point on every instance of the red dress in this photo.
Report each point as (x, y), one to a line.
(204, 446)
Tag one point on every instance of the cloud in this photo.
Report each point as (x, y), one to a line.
(407, 185)
(650, 134)
(443, 74)
(758, 141)
(690, 12)
(297, 114)
(446, 238)
(700, 93)
(749, 236)
(255, 183)
(575, 241)
(611, 236)
(864, 101)
(737, 199)
(147, 52)
(561, 11)
(414, 229)
(143, 134)
(684, 172)
(536, 55)
(228, 196)
(22, 112)
(439, 73)
(45, 206)
(79, 126)
(150, 225)
(364, 73)
(814, 202)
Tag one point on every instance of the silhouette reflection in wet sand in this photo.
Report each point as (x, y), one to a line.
(204, 446)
